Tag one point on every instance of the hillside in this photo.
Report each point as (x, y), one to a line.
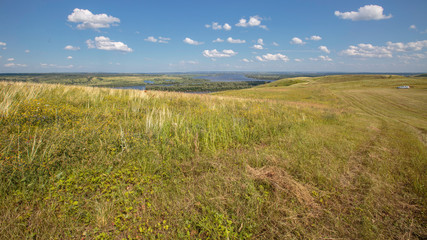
(302, 158)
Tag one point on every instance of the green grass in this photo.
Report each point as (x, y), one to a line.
(306, 158)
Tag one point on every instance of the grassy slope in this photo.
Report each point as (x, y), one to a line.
(328, 157)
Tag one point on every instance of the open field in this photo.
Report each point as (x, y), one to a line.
(333, 157)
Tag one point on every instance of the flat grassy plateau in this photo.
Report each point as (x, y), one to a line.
(334, 157)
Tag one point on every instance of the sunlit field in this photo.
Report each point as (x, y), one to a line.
(333, 157)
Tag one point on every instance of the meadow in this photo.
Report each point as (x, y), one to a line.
(330, 157)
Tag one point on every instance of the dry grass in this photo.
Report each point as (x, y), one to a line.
(324, 158)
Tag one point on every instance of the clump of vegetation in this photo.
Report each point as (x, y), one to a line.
(299, 158)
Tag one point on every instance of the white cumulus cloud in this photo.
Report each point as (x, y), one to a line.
(324, 49)
(218, 40)
(69, 57)
(217, 54)
(217, 26)
(259, 58)
(27, 51)
(367, 51)
(231, 40)
(315, 38)
(410, 46)
(191, 41)
(272, 57)
(367, 12)
(86, 19)
(246, 60)
(254, 21)
(10, 59)
(258, 46)
(371, 51)
(412, 27)
(325, 58)
(275, 44)
(104, 43)
(260, 41)
(3, 44)
(71, 48)
(160, 39)
(297, 41)
(298, 60)
(151, 39)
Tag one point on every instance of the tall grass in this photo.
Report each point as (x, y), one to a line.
(79, 162)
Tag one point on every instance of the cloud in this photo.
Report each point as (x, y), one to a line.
(257, 46)
(259, 58)
(216, 54)
(27, 51)
(160, 39)
(164, 40)
(410, 46)
(10, 59)
(218, 40)
(151, 39)
(367, 12)
(415, 56)
(260, 41)
(3, 44)
(71, 48)
(183, 62)
(69, 57)
(321, 58)
(370, 51)
(104, 43)
(367, 51)
(254, 21)
(297, 41)
(217, 26)
(413, 27)
(298, 60)
(325, 58)
(272, 57)
(275, 44)
(192, 42)
(324, 49)
(314, 38)
(87, 19)
(45, 65)
(231, 40)
(15, 65)
(246, 60)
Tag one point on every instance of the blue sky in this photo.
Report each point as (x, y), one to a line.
(179, 36)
